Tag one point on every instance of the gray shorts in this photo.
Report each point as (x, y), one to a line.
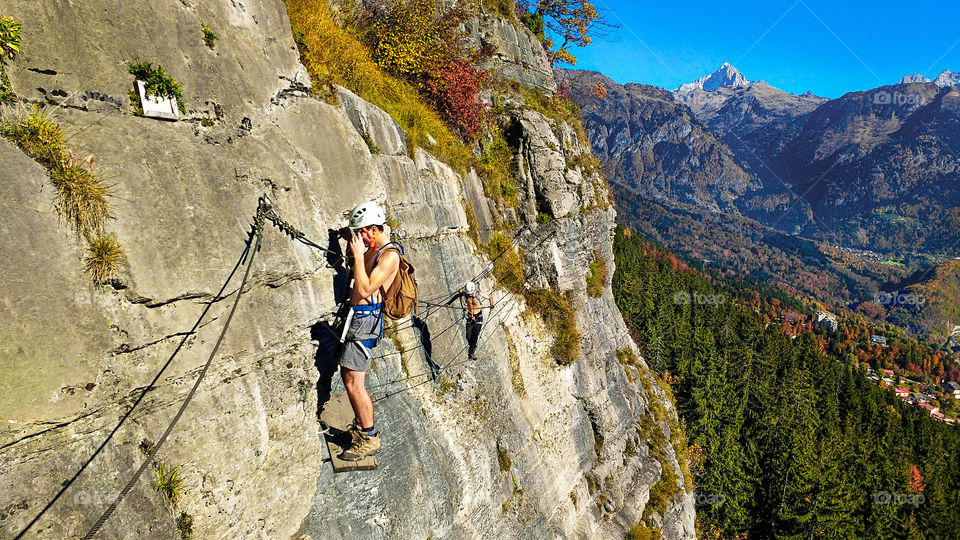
(355, 351)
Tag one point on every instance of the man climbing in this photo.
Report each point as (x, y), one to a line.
(372, 274)
(471, 299)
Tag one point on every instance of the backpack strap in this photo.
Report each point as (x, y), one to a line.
(396, 245)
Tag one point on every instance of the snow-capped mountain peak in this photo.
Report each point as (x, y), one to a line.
(725, 77)
(948, 79)
(915, 78)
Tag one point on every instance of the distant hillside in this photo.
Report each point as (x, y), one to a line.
(867, 182)
(881, 175)
(931, 306)
(789, 437)
(653, 146)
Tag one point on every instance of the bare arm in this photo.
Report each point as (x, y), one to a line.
(365, 285)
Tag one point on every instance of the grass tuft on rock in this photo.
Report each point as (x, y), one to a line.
(503, 459)
(185, 526)
(168, 484)
(209, 38)
(38, 136)
(81, 199)
(102, 262)
(557, 311)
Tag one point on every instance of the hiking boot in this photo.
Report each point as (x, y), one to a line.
(351, 434)
(364, 445)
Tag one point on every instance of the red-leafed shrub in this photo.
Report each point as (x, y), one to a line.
(916, 484)
(453, 90)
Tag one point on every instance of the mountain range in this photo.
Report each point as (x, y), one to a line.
(837, 198)
(946, 78)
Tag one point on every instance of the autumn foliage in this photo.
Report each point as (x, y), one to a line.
(915, 480)
(575, 23)
(453, 90)
(418, 41)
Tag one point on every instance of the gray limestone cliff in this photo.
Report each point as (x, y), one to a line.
(73, 356)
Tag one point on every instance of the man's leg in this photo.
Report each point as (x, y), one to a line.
(367, 441)
(359, 398)
(473, 335)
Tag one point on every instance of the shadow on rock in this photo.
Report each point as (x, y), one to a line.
(427, 344)
(326, 333)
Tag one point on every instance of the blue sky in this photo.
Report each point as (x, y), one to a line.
(829, 47)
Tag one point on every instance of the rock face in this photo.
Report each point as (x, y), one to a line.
(74, 357)
(517, 54)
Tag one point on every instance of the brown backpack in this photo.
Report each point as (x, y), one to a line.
(402, 296)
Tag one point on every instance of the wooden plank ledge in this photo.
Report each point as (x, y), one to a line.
(337, 415)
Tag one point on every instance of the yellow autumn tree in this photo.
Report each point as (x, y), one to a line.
(574, 23)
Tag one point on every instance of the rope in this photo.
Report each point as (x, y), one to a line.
(404, 351)
(421, 346)
(68, 483)
(442, 368)
(265, 208)
(449, 306)
(258, 232)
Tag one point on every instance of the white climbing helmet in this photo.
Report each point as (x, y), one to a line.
(366, 214)
(470, 287)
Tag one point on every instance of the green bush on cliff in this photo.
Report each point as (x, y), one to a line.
(497, 167)
(337, 55)
(642, 532)
(9, 47)
(334, 56)
(209, 38)
(597, 276)
(9, 37)
(507, 265)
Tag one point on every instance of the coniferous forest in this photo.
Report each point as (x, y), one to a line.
(788, 439)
